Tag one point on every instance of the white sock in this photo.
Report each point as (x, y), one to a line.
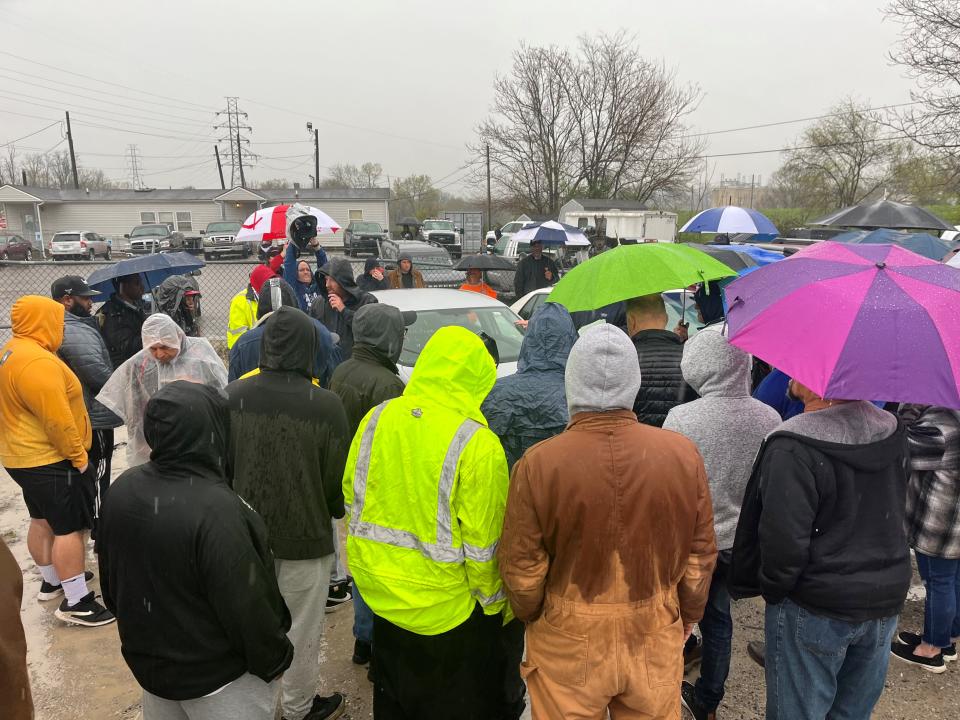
(75, 589)
(49, 574)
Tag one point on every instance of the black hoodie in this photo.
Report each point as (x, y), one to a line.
(184, 562)
(341, 322)
(822, 524)
(289, 441)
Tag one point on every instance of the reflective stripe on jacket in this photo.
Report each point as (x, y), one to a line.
(425, 488)
(243, 315)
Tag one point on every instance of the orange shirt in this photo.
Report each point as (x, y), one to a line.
(481, 288)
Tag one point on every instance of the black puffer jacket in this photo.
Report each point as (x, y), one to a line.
(85, 352)
(184, 562)
(661, 383)
(369, 377)
(289, 441)
(341, 322)
(120, 324)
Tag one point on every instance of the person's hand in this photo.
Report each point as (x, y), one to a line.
(335, 302)
(377, 274)
(86, 466)
(314, 242)
(522, 324)
(547, 274)
(683, 330)
(687, 632)
(283, 250)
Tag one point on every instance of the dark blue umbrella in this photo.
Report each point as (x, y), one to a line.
(154, 269)
(920, 243)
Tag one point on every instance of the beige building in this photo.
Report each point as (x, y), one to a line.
(38, 213)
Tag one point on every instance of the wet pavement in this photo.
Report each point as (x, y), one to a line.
(79, 673)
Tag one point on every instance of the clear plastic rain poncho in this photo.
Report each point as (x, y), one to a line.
(133, 383)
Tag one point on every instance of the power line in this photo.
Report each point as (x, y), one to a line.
(35, 132)
(133, 168)
(236, 120)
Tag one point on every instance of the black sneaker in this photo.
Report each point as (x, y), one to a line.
(949, 654)
(339, 595)
(688, 696)
(905, 653)
(326, 708)
(361, 652)
(757, 650)
(692, 652)
(88, 612)
(52, 592)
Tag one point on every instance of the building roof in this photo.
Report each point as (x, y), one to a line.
(600, 204)
(58, 195)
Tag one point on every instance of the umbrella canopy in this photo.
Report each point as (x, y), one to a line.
(730, 219)
(270, 224)
(884, 214)
(629, 271)
(484, 262)
(552, 232)
(729, 255)
(954, 261)
(855, 322)
(409, 222)
(762, 256)
(153, 269)
(920, 243)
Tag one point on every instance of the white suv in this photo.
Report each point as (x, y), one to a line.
(79, 245)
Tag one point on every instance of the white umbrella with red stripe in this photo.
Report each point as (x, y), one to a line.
(271, 224)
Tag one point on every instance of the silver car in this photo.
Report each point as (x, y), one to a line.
(436, 308)
(79, 245)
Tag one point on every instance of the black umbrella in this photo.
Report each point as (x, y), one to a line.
(884, 214)
(409, 221)
(728, 255)
(484, 262)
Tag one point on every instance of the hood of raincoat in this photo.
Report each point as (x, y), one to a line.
(39, 319)
(455, 371)
(169, 294)
(603, 372)
(271, 289)
(341, 270)
(549, 339)
(160, 329)
(713, 367)
(381, 328)
(186, 425)
(289, 342)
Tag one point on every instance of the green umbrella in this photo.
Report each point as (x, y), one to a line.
(629, 271)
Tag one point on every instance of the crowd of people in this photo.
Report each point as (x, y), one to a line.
(555, 536)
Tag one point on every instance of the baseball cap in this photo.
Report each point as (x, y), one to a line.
(71, 285)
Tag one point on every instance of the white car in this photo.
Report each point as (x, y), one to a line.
(677, 302)
(79, 245)
(436, 308)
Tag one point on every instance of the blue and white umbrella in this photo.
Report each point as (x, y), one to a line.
(552, 232)
(730, 219)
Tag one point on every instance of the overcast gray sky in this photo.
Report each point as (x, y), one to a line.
(403, 83)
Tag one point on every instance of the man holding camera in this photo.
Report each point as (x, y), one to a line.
(343, 299)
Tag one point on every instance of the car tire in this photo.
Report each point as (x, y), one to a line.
(28, 256)
(3, 256)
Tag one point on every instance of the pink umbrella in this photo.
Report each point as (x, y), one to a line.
(271, 224)
(855, 322)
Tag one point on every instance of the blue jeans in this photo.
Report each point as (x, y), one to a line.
(362, 618)
(716, 628)
(821, 668)
(941, 612)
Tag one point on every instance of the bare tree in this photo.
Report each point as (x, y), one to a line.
(841, 160)
(273, 184)
(414, 196)
(347, 175)
(929, 49)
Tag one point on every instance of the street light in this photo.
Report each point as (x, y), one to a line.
(316, 154)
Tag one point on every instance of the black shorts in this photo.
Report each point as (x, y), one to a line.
(59, 494)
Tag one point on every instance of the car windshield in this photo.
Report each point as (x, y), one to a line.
(224, 227)
(151, 230)
(497, 322)
(66, 237)
(370, 227)
(438, 225)
(512, 227)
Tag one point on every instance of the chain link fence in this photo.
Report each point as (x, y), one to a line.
(219, 282)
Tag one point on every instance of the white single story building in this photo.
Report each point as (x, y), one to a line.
(39, 213)
(620, 218)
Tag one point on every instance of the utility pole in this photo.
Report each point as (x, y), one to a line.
(235, 121)
(316, 154)
(243, 182)
(216, 152)
(73, 157)
(23, 174)
(489, 203)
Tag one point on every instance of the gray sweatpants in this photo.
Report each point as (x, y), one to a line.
(246, 698)
(304, 585)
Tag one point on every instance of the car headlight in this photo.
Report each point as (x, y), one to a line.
(164, 243)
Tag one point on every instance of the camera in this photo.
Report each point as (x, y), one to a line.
(303, 226)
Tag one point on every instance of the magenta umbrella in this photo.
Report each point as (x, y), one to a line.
(855, 322)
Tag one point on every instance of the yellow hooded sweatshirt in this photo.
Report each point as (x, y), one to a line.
(42, 416)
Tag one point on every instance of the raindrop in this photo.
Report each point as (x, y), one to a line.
(156, 505)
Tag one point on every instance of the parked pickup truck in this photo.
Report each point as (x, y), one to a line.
(159, 237)
(444, 233)
(220, 240)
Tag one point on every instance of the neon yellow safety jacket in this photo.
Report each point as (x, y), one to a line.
(243, 315)
(425, 488)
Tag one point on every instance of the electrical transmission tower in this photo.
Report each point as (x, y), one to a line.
(134, 168)
(236, 151)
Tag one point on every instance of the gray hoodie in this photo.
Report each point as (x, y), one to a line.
(603, 372)
(726, 424)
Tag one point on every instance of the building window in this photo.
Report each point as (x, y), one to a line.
(148, 217)
(356, 215)
(582, 223)
(184, 221)
(165, 217)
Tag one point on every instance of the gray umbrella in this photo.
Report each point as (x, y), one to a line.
(484, 262)
(884, 214)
